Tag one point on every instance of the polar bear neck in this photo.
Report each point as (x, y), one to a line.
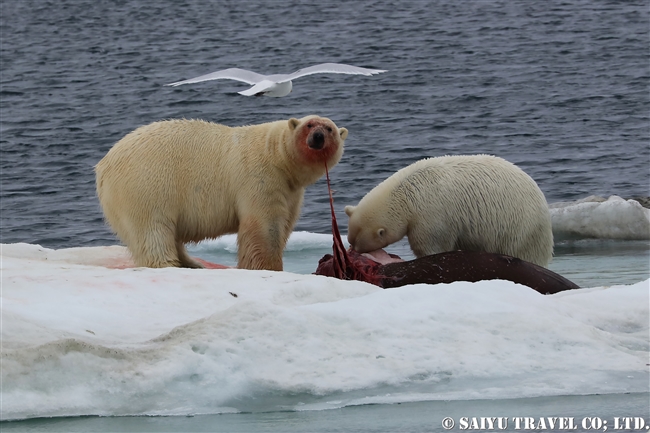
(279, 153)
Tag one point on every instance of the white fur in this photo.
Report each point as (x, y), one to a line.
(180, 181)
(472, 202)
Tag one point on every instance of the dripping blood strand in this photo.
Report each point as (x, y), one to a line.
(344, 267)
(340, 256)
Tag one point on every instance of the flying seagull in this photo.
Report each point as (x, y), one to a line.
(276, 85)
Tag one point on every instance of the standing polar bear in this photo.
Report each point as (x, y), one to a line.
(473, 203)
(178, 181)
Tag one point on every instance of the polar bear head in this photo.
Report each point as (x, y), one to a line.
(318, 140)
(373, 224)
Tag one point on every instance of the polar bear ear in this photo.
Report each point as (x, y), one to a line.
(293, 122)
(349, 210)
(343, 133)
(381, 232)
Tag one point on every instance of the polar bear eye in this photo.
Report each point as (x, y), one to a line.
(309, 125)
(329, 129)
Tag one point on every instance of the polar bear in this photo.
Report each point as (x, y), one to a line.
(178, 181)
(470, 202)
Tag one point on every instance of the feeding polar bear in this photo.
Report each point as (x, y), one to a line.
(178, 181)
(467, 202)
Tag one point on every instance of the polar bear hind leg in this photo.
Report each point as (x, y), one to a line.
(184, 259)
(155, 248)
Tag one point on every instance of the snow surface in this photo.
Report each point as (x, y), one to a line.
(82, 333)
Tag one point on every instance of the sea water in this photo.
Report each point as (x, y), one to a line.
(559, 89)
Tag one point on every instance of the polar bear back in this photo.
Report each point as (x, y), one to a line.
(167, 150)
(471, 202)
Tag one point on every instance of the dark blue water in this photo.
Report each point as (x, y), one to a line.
(406, 417)
(559, 88)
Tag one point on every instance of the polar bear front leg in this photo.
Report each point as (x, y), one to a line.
(261, 244)
(426, 240)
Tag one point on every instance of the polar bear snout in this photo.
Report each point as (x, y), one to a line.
(316, 140)
(364, 240)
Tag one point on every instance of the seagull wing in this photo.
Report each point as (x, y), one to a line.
(237, 74)
(333, 68)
